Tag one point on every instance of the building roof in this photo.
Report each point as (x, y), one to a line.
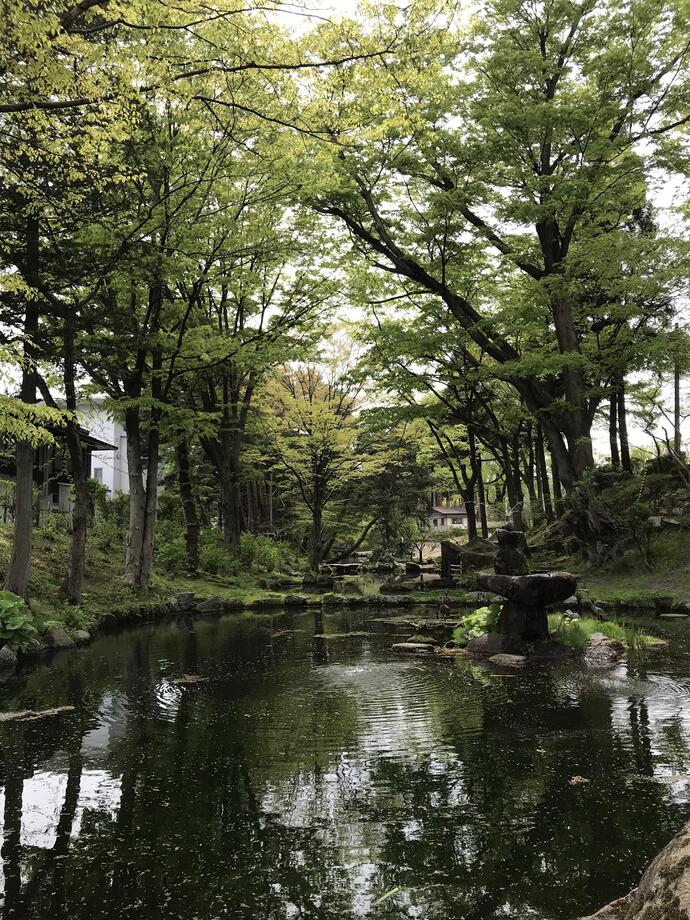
(448, 511)
(88, 440)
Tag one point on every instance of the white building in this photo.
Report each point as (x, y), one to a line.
(446, 518)
(108, 467)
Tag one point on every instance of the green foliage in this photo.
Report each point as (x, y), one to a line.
(481, 621)
(16, 621)
(263, 555)
(171, 555)
(577, 633)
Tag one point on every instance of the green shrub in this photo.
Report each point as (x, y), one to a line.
(214, 558)
(54, 525)
(481, 621)
(172, 555)
(259, 554)
(106, 533)
(75, 617)
(16, 622)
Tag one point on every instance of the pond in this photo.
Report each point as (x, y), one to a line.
(333, 779)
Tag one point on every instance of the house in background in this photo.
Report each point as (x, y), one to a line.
(109, 465)
(441, 518)
(51, 473)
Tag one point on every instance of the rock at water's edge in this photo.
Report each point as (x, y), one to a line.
(56, 638)
(184, 600)
(508, 661)
(82, 636)
(494, 644)
(601, 652)
(423, 647)
(8, 658)
(663, 892)
(210, 605)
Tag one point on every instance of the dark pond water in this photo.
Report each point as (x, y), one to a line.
(309, 777)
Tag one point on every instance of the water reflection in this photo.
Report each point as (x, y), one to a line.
(309, 776)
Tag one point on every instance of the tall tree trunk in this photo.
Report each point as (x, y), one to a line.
(481, 493)
(153, 454)
(543, 474)
(677, 441)
(17, 577)
(623, 428)
(613, 430)
(150, 503)
(557, 490)
(471, 509)
(137, 498)
(81, 512)
(189, 510)
(230, 501)
(529, 476)
(315, 535)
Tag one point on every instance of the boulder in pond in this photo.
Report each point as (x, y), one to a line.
(493, 643)
(210, 605)
(184, 600)
(299, 600)
(508, 661)
(56, 638)
(82, 636)
(413, 647)
(8, 658)
(664, 890)
(601, 652)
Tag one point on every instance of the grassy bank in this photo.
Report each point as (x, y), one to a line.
(106, 596)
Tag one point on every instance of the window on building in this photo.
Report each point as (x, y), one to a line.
(457, 520)
(98, 473)
(435, 522)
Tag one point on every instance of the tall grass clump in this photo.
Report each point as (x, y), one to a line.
(577, 633)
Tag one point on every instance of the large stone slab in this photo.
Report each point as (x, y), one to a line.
(536, 590)
(663, 892)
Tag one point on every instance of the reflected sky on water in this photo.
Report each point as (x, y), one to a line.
(311, 777)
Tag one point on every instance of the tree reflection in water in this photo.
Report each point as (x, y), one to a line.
(309, 776)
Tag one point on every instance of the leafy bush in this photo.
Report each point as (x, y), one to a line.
(172, 555)
(256, 554)
(259, 554)
(53, 525)
(483, 620)
(16, 622)
(213, 557)
(106, 533)
(75, 617)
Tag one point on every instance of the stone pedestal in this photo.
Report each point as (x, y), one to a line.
(530, 623)
(524, 612)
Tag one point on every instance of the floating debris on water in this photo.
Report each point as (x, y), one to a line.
(189, 680)
(31, 715)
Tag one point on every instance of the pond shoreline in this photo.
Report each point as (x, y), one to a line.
(150, 612)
